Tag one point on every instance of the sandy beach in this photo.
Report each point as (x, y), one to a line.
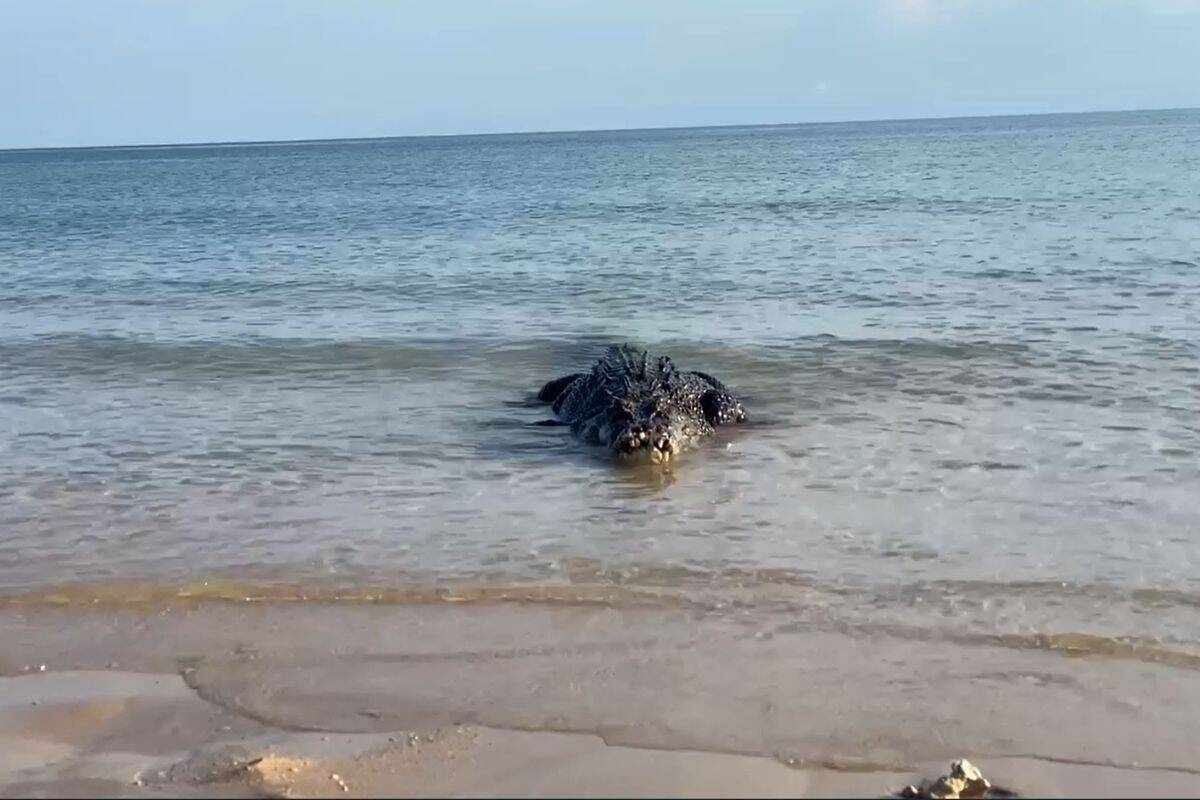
(600, 399)
(212, 698)
(125, 734)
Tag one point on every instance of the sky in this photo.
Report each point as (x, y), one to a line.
(79, 72)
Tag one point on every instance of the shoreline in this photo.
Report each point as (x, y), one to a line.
(127, 734)
(135, 734)
(511, 699)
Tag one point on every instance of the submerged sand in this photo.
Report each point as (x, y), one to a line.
(301, 700)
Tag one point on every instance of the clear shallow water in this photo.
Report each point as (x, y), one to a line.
(971, 349)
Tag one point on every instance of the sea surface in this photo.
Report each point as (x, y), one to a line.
(970, 349)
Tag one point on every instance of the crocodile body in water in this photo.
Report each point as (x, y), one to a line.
(640, 406)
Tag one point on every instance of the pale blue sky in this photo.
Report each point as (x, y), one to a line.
(149, 71)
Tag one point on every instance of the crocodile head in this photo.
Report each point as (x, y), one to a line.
(652, 433)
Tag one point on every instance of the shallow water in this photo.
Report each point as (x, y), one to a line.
(970, 349)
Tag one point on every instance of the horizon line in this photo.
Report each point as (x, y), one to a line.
(569, 131)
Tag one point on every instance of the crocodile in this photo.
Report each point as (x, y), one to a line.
(641, 407)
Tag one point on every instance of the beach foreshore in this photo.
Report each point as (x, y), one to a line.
(125, 734)
(221, 699)
(135, 735)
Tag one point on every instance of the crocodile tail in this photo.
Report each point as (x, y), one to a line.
(624, 365)
(666, 369)
(623, 358)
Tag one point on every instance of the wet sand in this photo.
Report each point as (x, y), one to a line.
(210, 698)
(134, 735)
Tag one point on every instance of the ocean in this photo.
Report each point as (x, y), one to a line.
(970, 349)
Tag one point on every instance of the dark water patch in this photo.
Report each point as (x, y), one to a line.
(262, 356)
(988, 465)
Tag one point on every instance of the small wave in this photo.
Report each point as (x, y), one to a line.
(134, 595)
(770, 596)
(259, 356)
(109, 355)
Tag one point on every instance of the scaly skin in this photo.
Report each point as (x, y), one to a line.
(641, 407)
